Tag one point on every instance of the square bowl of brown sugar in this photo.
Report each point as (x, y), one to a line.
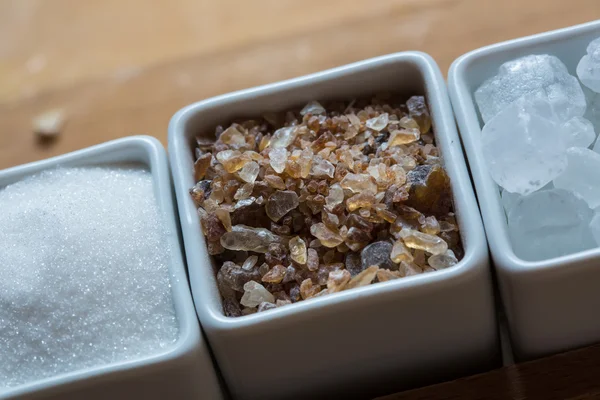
(333, 240)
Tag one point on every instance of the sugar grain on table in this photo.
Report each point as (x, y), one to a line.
(84, 267)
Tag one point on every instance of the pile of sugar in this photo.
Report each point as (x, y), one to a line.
(540, 146)
(84, 275)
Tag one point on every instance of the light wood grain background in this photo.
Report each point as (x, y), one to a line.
(123, 67)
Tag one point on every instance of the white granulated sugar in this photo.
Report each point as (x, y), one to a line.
(84, 275)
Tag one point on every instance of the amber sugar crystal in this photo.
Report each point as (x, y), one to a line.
(305, 203)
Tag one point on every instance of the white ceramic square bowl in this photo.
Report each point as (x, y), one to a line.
(551, 305)
(365, 341)
(183, 371)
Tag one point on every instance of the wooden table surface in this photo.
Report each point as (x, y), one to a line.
(570, 376)
(123, 67)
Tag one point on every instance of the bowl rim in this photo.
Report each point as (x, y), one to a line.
(189, 337)
(475, 258)
(487, 190)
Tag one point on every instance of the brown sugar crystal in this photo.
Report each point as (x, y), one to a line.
(313, 201)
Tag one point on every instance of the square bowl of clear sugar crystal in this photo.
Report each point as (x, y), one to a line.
(362, 342)
(99, 307)
(528, 112)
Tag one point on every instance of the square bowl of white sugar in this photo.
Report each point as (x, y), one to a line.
(316, 268)
(528, 112)
(94, 299)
